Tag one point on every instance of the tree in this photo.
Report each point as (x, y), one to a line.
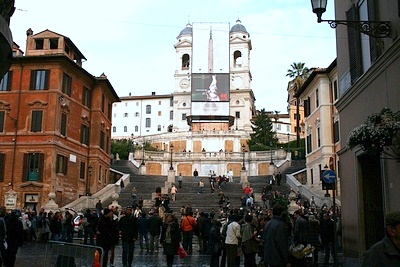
(263, 137)
(299, 73)
(122, 147)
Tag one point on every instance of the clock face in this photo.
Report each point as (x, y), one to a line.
(184, 83)
(237, 82)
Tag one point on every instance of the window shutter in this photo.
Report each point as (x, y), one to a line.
(41, 167)
(354, 43)
(9, 81)
(46, 81)
(306, 108)
(33, 80)
(2, 166)
(25, 168)
(377, 46)
(65, 165)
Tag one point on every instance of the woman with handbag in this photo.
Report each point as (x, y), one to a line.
(170, 238)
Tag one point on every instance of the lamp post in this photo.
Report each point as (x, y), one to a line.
(171, 148)
(243, 167)
(288, 140)
(88, 180)
(270, 149)
(143, 154)
(376, 29)
(131, 147)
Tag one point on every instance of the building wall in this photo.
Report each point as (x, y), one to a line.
(376, 88)
(18, 140)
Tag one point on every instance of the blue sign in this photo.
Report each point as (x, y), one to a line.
(329, 176)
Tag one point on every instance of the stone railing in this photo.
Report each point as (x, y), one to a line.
(103, 195)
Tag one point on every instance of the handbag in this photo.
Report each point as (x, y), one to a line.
(181, 252)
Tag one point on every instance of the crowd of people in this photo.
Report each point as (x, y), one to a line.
(256, 233)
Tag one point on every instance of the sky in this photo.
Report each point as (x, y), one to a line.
(132, 41)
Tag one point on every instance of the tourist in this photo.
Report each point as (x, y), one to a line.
(99, 208)
(88, 224)
(143, 231)
(174, 190)
(15, 237)
(387, 251)
(106, 230)
(128, 232)
(276, 236)
(201, 187)
(188, 225)
(195, 175)
(180, 179)
(232, 241)
(249, 241)
(170, 237)
(155, 223)
(327, 236)
(215, 244)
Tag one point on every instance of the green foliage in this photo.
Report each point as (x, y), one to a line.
(380, 130)
(262, 137)
(299, 73)
(122, 147)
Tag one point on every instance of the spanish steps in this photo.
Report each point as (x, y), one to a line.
(146, 185)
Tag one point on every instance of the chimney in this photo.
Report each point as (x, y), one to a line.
(153, 93)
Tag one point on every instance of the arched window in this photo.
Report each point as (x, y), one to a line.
(148, 109)
(185, 62)
(237, 58)
(159, 128)
(114, 129)
(136, 128)
(125, 129)
(148, 122)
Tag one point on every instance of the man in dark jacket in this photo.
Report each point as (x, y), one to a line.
(327, 232)
(128, 230)
(155, 223)
(106, 233)
(143, 231)
(88, 224)
(15, 237)
(387, 251)
(299, 236)
(276, 240)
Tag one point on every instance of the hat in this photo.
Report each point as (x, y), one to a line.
(106, 211)
(393, 218)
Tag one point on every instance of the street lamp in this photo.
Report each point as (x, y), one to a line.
(131, 147)
(143, 154)
(288, 140)
(171, 148)
(270, 149)
(88, 180)
(376, 29)
(243, 167)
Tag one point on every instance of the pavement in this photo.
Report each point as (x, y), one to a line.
(34, 254)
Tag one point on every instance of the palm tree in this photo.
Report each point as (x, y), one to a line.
(299, 73)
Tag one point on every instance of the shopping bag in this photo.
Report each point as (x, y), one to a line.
(182, 252)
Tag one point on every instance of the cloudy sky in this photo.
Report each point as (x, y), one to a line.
(131, 41)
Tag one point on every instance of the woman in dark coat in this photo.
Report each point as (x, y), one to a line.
(314, 238)
(15, 237)
(170, 238)
(106, 233)
(215, 244)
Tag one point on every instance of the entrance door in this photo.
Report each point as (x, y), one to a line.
(372, 199)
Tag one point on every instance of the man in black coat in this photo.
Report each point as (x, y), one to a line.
(129, 234)
(155, 223)
(327, 232)
(15, 237)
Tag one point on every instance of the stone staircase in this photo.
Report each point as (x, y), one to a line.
(188, 194)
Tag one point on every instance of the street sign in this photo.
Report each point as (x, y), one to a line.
(329, 176)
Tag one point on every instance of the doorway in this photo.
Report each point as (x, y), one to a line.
(372, 199)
